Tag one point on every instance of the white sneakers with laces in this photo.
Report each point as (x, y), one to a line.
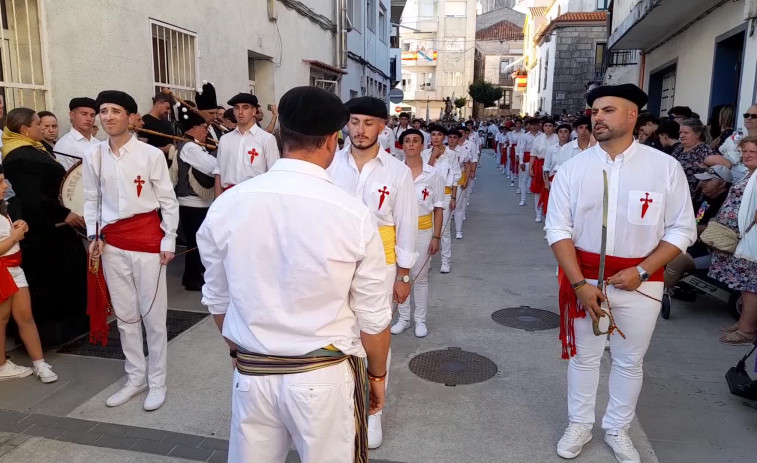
(622, 446)
(459, 236)
(45, 373)
(155, 398)
(125, 394)
(420, 330)
(375, 433)
(573, 440)
(400, 326)
(12, 371)
(445, 268)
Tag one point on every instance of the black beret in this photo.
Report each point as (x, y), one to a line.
(82, 102)
(248, 98)
(454, 132)
(410, 132)
(118, 97)
(206, 99)
(312, 111)
(404, 115)
(229, 114)
(564, 126)
(367, 106)
(583, 120)
(548, 121)
(437, 128)
(628, 92)
(188, 119)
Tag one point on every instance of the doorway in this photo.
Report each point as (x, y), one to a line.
(726, 69)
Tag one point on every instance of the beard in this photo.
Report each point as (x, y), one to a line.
(364, 145)
(610, 133)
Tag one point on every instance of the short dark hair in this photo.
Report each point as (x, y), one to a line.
(647, 117)
(564, 126)
(42, 114)
(669, 128)
(229, 114)
(548, 121)
(162, 98)
(683, 111)
(296, 141)
(18, 117)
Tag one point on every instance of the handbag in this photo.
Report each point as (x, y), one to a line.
(720, 237)
(739, 382)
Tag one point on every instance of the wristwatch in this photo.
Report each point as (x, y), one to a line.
(643, 275)
(404, 279)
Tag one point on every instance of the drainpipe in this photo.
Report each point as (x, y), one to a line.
(643, 69)
(342, 34)
(338, 36)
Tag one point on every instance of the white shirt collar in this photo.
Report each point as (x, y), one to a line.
(78, 135)
(623, 157)
(253, 130)
(300, 167)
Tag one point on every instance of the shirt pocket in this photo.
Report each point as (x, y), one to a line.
(379, 197)
(644, 207)
(253, 158)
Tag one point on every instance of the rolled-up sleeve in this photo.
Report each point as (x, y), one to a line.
(680, 222)
(406, 222)
(559, 223)
(215, 292)
(438, 188)
(368, 298)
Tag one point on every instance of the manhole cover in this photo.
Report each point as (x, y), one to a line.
(177, 321)
(527, 318)
(453, 366)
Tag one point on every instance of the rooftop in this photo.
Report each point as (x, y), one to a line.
(503, 30)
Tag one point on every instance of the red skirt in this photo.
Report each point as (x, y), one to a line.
(8, 285)
(537, 184)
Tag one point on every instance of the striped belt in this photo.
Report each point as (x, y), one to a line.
(425, 222)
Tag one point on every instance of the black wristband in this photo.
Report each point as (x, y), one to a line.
(436, 237)
(233, 353)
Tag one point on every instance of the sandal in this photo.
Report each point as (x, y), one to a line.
(737, 338)
(729, 328)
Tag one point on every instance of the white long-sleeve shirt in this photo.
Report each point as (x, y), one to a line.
(526, 144)
(557, 155)
(429, 190)
(385, 138)
(133, 181)
(385, 185)
(542, 143)
(75, 144)
(447, 165)
(640, 175)
(199, 158)
(295, 263)
(242, 156)
(513, 138)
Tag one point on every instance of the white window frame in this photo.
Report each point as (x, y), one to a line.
(354, 14)
(370, 15)
(383, 25)
(456, 14)
(187, 85)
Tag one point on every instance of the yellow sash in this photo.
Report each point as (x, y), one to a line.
(389, 237)
(447, 190)
(425, 222)
(462, 179)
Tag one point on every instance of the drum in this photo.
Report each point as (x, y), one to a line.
(71, 194)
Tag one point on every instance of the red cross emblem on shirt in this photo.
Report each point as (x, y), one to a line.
(139, 182)
(425, 193)
(384, 192)
(645, 207)
(253, 153)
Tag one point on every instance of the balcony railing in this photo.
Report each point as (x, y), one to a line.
(599, 71)
(623, 57)
(506, 80)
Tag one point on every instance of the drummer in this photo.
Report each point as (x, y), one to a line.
(79, 139)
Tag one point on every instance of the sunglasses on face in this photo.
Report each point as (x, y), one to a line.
(750, 116)
(712, 171)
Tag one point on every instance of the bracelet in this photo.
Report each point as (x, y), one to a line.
(578, 285)
(378, 379)
(233, 353)
(436, 237)
(454, 198)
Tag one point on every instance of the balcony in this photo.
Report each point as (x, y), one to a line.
(599, 71)
(623, 57)
(426, 24)
(506, 80)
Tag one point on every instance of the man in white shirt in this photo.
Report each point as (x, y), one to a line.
(542, 143)
(582, 127)
(397, 132)
(246, 151)
(444, 158)
(194, 190)
(500, 150)
(386, 138)
(513, 139)
(303, 308)
(493, 131)
(563, 136)
(79, 139)
(523, 151)
(465, 158)
(650, 220)
(126, 183)
(418, 125)
(385, 185)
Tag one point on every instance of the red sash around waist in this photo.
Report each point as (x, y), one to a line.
(228, 187)
(537, 184)
(526, 157)
(544, 198)
(8, 285)
(139, 233)
(569, 306)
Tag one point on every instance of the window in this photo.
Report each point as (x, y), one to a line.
(251, 74)
(370, 10)
(600, 65)
(427, 8)
(427, 81)
(503, 65)
(355, 14)
(22, 82)
(452, 79)
(406, 46)
(546, 69)
(174, 60)
(602, 4)
(507, 95)
(457, 9)
(383, 26)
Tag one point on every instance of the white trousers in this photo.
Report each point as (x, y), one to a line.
(636, 316)
(313, 410)
(461, 205)
(419, 274)
(391, 276)
(524, 181)
(132, 278)
(537, 207)
(446, 241)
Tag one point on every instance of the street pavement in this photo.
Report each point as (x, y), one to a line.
(685, 412)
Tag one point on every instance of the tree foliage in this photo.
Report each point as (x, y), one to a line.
(461, 102)
(484, 92)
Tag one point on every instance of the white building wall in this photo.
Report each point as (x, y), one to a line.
(113, 50)
(693, 52)
(548, 54)
(366, 43)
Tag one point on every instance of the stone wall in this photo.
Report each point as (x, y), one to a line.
(574, 65)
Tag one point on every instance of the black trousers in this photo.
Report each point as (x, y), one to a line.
(191, 219)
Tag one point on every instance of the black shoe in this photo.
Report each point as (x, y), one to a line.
(193, 287)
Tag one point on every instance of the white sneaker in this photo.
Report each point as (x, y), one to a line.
(517, 191)
(400, 326)
(512, 183)
(622, 446)
(155, 398)
(13, 371)
(572, 442)
(538, 219)
(45, 373)
(375, 434)
(444, 269)
(459, 236)
(420, 330)
(125, 394)
(522, 203)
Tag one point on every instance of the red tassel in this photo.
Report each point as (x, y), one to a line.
(569, 311)
(98, 303)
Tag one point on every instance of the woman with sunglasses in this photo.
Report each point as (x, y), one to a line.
(740, 273)
(730, 147)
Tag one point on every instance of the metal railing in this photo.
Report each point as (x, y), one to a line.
(622, 57)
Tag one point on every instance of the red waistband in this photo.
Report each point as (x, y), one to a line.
(139, 233)
(229, 187)
(8, 285)
(12, 260)
(568, 301)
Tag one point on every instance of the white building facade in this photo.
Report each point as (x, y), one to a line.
(696, 53)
